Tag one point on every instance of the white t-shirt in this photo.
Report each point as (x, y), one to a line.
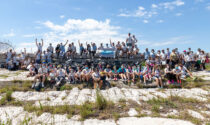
(61, 72)
(73, 48)
(187, 58)
(86, 71)
(50, 48)
(129, 39)
(96, 75)
(39, 47)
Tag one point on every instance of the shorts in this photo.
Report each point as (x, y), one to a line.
(129, 44)
(103, 78)
(38, 61)
(154, 77)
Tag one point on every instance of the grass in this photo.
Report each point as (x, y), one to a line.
(66, 87)
(23, 86)
(4, 76)
(6, 98)
(162, 101)
(101, 102)
(86, 110)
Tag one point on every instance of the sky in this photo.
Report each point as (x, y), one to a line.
(157, 24)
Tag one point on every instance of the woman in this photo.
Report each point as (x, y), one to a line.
(157, 76)
(129, 73)
(96, 78)
(177, 72)
(71, 76)
(86, 73)
(173, 58)
(78, 74)
(122, 72)
(169, 74)
(115, 73)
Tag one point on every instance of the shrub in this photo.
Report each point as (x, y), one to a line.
(9, 96)
(101, 102)
(66, 87)
(86, 110)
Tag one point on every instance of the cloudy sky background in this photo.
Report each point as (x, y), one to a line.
(157, 24)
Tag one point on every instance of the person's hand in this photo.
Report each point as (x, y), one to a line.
(36, 39)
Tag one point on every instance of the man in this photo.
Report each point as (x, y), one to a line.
(73, 48)
(9, 56)
(62, 47)
(146, 54)
(39, 45)
(50, 48)
(168, 53)
(94, 48)
(134, 41)
(129, 40)
(81, 48)
(49, 56)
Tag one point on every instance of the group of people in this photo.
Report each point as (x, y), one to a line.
(172, 65)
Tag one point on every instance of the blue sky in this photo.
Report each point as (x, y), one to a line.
(156, 23)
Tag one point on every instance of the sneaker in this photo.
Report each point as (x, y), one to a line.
(172, 81)
(33, 85)
(169, 82)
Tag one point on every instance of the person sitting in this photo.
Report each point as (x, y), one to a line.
(157, 76)
(169, 74)
(122, 72)
(129, 73)
(86, 73)
(52, 77)
(78, 74)
(71, 75)
(115, 73)
(61, 73)
(32, 71)
(185, 72)
(96, 78)
(108, 71)
(177, 72)
(147, 73)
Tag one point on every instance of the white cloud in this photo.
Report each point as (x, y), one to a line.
(154, 6)
(28, 35)
(145, 21)
(178, 14)
(11, 34)
(172, 5)
(155, 9)
(160, 21)
(172, 41)
(62, 16)
(89, 30)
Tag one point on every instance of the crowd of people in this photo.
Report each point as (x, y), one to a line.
(157, 65)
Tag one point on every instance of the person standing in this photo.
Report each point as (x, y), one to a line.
(39, 45)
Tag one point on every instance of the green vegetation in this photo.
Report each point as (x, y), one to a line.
(66, 87)
(4, 76)
(101, 102)
(23, 86)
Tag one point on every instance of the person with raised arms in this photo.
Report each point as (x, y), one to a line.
(39, 45)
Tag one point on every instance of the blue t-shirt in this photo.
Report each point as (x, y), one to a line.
(121, 70)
